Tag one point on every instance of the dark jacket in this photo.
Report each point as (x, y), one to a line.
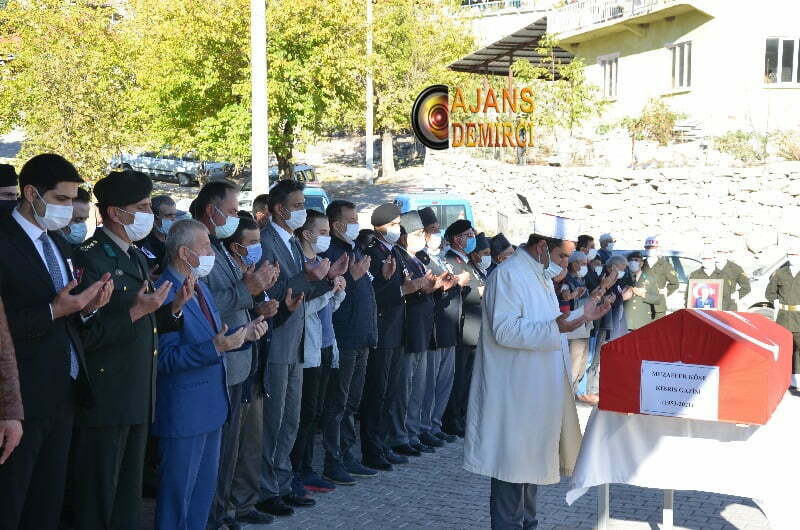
(447, 306)
(388, 294)
(355, 322)
(42, 344)
(154, 250)
(120, 354)
(419, 312)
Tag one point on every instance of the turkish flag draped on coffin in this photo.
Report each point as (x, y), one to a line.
(751, 353)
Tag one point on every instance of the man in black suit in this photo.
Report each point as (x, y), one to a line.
(390, 282)
(36, 280)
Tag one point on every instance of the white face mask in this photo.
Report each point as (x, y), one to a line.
(296, 219)
(352, 231)
(708, 266)
(652, 259)
(610, 247)
(166, 224)
(592, 254)
(794, 260)
(141, 226)
(205, 265)
(584, 270)
(226, 230)
(55, 217)
(321, 244)
(620, 275)
(486, 262)
(416, 242)
(434, 241)
(392, 235)
(552, 270)
(598, 270)
(634, 266)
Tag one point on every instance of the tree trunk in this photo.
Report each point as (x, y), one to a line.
(387, 154)
(285, 164)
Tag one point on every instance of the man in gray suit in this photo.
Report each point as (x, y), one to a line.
(235, 291)
(296, 282)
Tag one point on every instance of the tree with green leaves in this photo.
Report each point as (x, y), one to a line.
(68, 84)
(564, 97)
(413, 43)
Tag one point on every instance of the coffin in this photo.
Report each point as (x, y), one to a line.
(707, 365)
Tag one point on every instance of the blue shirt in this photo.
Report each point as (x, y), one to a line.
(326, 318)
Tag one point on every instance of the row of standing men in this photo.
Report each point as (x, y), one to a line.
(292, 324)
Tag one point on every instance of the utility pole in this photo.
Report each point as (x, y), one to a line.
(260, 110)
(370, 124)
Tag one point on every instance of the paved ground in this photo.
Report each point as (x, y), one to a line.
(435, 492)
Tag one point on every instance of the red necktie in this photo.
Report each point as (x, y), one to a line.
(204, 307)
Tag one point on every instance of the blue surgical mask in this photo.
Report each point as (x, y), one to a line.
(76, 233)
(253, 254)
(166, 224)
(470, 246)
(226, 230)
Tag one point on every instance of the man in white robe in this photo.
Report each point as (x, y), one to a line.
(522, 424)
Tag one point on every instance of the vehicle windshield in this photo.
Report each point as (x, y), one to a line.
(314, 202)
(448, 214)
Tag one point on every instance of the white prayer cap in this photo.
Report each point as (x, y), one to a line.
(556, 227)
(651, 241)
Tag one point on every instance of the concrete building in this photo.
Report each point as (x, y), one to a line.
(726, 64)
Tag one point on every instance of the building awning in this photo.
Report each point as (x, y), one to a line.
(496, 58)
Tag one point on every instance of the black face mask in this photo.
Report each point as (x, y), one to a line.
(7, 205)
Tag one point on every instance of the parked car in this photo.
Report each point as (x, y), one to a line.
(316, 197)
(301, 172)
(186, 170)
(448, 208)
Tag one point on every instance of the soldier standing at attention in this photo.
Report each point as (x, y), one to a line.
(708, 271)
(736, 280)
(659, 275)
(784, 287)
(120, 356)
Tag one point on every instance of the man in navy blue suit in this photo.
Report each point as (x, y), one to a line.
(192, 399)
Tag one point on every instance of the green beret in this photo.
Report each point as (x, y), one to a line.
(385, 214)
(121, 188)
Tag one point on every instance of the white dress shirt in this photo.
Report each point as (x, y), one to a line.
(34, 232)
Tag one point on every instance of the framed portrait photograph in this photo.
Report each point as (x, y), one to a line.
(705, 294)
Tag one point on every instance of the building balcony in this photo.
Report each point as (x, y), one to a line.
(485, 8)
(585, 20)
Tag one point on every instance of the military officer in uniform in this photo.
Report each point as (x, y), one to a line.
(120, 356)
(657, 276)
(708, 271)
(784, 288)
(639, 307)
(736, 280)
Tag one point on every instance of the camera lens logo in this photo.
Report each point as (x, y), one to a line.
(430, 117)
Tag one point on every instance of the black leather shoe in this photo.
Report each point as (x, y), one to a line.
(379, 464)
(422, 448)
(254, 517)
(449, 438)
(431, 440)
(274, 506)
(299, 502)
(395, 459)
(406, 450)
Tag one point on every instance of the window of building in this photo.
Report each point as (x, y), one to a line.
(782, 60)
(681, 65)
(610, 66)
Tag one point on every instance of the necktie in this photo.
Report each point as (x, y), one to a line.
(58, 282)
(201, 300)
(296, 252)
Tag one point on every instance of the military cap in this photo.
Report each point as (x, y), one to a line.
(8, 176)
(499, 243)
(385, 214)
(481, 242)
(651, 241)
(411, 222)
(122, 187)
(459, 227)
(428, 216)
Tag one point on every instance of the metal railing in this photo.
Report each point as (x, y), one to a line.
(491, 7)
(584, 14)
